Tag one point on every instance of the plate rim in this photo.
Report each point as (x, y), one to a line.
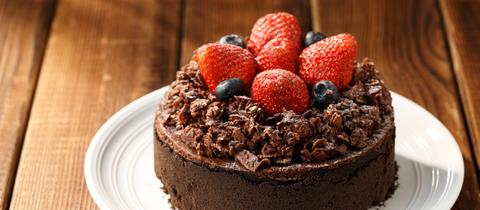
(97, 141)
(456, 148)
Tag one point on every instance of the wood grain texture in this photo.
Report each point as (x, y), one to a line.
(209, 21)
(462, 21)
(24, 27)
(101, 55)
(406, 41)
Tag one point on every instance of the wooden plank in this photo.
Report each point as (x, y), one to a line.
(100, 56)
(24, 28)
(462, 27)
(212, 19)
(406, 41)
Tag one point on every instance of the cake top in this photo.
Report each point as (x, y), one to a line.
(277, 102)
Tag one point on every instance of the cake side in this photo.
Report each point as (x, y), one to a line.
(350, 186)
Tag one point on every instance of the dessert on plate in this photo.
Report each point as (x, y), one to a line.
(275, 121)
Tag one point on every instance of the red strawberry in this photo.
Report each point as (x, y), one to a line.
(278, 54)
(329, 59)
(278, 89)
(220, 62)
(276, 41)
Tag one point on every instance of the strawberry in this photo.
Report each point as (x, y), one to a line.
(329, 59)
(220, 62)
(278, 54)
(278, 90)
(276, 41)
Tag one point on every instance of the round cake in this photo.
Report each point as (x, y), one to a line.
(264, 148)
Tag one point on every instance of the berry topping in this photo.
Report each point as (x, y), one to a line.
(276, 41)
(228, 88)
(232, 39)
(278, 90)
(218, 62)
(329, 59)
(324, 93)
(312, 37)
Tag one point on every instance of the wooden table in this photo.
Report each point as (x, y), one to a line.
(66, 66)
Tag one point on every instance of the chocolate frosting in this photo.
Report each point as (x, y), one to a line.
(237, 134)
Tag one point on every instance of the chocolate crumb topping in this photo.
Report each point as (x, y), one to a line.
(251, 161)
(239, 129)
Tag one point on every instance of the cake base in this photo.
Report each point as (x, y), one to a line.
(194, 186)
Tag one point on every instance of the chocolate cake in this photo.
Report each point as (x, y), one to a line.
(235, 151)
(228, 155)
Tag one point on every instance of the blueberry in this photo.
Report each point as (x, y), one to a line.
(228, 88)
(232, 39)
(324, 93)
(312, 37)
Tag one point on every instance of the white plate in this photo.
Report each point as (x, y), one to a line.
(119, 162)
